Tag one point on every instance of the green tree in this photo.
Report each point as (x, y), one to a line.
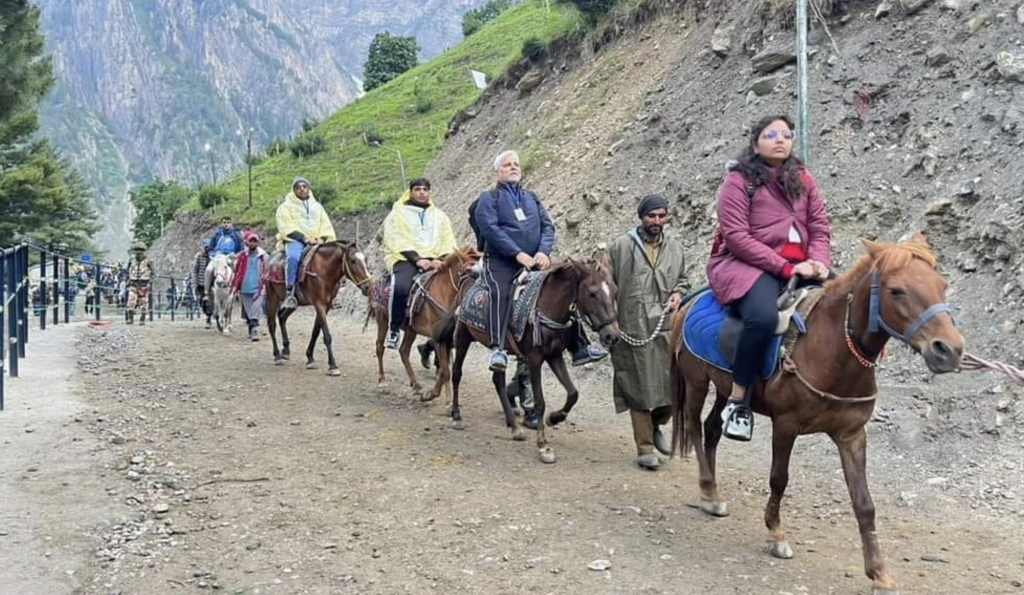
(478, 17)
(155, 205)
(390, 55)
(26, 73)
(42, 198)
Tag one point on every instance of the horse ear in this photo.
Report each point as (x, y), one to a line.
(873, 248)
(919, 239)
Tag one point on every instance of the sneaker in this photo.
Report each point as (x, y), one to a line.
(209, 324)
(531, 419)
(588, 355)
(499, 361)
(391, 341)
(662, 442)
(738, 422)
(254, 334)
(649, 461)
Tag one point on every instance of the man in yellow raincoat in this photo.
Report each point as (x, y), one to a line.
(301, 220)
(417, 235)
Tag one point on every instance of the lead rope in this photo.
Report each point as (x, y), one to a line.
(633, 342)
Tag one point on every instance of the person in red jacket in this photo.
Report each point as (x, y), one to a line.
(771, 225)
(250, 268)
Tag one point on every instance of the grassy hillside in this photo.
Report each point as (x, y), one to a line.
(410, 114)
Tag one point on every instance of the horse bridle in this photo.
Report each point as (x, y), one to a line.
(876, 322)
(347, 269)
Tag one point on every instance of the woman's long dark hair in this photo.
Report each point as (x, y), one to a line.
(755, 169)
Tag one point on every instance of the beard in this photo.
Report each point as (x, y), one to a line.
(652, 231)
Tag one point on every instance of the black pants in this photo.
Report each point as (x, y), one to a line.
(760, 315)
(401, 284)
(498, 275)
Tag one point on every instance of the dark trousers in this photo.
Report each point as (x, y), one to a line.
(401, 284)
(760, 315)
(498, 275)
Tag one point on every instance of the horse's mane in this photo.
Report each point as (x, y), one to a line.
(884, 258)
(455, 258)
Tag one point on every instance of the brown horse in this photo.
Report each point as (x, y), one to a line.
(441, 292)
(828, 384)
(328, 267)
(587, 286)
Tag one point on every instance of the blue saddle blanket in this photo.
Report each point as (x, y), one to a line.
(700, 334)
(476, 303)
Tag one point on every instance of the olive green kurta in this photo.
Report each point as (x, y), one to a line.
(641, 373)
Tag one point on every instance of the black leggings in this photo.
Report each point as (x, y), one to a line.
(402, 275)
(760, 315)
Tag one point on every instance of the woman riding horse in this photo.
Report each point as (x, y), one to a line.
(771, 226)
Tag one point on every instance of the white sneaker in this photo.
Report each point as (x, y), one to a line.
(391, 341)
(738, 422)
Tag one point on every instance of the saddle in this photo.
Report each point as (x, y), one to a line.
(711, 331)
(417, 295)
(474, 310)
(275, 267)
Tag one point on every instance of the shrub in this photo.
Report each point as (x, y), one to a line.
(307, 143)
(478, 17)
(211, 196)
(594, 8)
(325, 193)
(371, 135)
(309, 124)
(275, 147)
(533, 48)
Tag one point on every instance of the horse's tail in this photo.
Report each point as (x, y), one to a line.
(444, 330)
(677, 384)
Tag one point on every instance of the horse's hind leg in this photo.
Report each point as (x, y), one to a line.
(286, 349)
(408, 338)
(713, 429)
(696, 392)
(557, 365)
(317, 327)
(444, 374)
(853, 452)
(783, 438)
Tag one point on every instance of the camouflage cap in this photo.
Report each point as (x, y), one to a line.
(139, 246)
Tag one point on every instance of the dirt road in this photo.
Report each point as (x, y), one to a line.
(209, 468)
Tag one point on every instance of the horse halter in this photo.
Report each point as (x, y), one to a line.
(347, 269)
(875, 320)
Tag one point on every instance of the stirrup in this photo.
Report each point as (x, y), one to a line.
(738, 422)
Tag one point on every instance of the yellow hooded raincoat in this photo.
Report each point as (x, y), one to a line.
(428, 232)
(307, 217)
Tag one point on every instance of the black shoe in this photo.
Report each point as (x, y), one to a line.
(424, 350)
(661, 442)
(532, 419)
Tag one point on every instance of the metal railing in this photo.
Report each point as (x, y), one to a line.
(14, 308)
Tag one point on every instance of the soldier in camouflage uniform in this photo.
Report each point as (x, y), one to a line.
(140, 275)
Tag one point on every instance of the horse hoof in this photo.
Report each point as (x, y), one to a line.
(458, 424)
(781, 549)
(427, 397)
(716, 509)
(279, 361)
(286, 356)
(547, 455)
(310, 365)
(334, 372)
(519, 434)
(555, 418)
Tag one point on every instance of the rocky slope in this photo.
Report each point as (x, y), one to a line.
(143, 86)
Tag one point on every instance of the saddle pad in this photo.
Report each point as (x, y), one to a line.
(474, 310)
(700, 334)
(381, 293)
(274, 271)
(417, 293)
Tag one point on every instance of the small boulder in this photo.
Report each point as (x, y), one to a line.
(884, 9)
(763, 86)
(721, 41)
(1010, 66)
(911, 7)
(937, 56)
(530, 81)
(772, 59)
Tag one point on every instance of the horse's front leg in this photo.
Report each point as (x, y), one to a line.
(444, 375)
(853, 453)
(282, 318)
(783, 438)
(332, 364)
(463, 340)
(313, 336)
(544, 450)
(408, 338)
(557, 365)
(498, 378)
(382, 330)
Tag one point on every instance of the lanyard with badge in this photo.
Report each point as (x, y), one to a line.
(517, 195)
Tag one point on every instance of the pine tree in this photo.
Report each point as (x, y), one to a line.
(26, 73)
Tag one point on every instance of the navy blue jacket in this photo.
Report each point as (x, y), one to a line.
(504, 235)
(219, 235)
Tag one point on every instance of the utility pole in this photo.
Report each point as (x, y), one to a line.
(803, 122)
(401, 163)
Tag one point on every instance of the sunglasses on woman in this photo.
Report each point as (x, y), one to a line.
(773, 134)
